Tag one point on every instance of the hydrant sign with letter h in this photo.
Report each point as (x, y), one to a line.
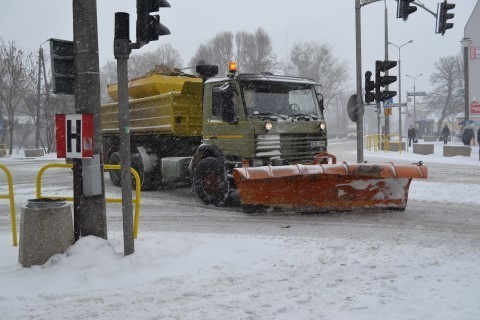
(74, 135)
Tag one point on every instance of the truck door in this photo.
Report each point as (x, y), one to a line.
(225, 125)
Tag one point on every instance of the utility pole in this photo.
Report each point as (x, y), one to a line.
(89, 210)
(358, 41)
(387, 118)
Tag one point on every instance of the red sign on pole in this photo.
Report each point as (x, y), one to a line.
(74, 135)
(475, 108)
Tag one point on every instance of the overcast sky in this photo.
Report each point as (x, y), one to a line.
(31, 22)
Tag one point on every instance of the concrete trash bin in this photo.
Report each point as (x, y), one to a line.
(46, 229)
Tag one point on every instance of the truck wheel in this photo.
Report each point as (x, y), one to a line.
(210, 182)
(146, 178)
(115, 175)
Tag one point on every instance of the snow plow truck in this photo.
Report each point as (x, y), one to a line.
(262, 137)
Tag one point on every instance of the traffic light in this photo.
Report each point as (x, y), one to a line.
(63, 68)
(404, 9)
(443, 16)
(149, 27)
(369, 87)
(382, 81)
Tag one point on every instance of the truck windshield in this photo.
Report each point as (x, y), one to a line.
(280, 99)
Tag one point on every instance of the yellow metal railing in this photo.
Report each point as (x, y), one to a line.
(382, 142)
(377, 142)
(12, 202)
(136, 200)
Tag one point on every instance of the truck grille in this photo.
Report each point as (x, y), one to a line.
(290, 147)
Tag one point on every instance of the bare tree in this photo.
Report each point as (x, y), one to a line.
(165, 54)
(254, 51)
(217, 51)
(446, 79)
(108, 75)
(14, 81)
(317, 61)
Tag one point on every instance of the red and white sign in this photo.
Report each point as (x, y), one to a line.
(74, 135)
(474, 52)
(475, 107)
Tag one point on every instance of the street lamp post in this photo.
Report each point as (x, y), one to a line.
(414, 105)
(400, 87)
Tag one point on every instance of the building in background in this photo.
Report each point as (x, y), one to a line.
(471, 42)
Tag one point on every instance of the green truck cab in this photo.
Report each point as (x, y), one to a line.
(197, 130)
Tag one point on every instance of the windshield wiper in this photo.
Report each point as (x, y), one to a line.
(268, 114)
(303, 115)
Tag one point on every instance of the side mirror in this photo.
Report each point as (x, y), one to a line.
(320, 101)
(225, 96)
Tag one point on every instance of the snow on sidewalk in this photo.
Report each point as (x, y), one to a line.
(191, 276)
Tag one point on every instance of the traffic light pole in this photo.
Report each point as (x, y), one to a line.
(358, 38)
(399, 97)
(387, 117)
(122, 52)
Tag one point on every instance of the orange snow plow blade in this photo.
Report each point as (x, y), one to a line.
(323, 186)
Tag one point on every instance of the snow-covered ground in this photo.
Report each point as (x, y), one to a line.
(182, 275)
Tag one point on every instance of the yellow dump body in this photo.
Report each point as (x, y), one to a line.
(160, 105)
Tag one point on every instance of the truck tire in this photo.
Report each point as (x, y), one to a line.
(210, 182)
(115, 175)
(146, 178)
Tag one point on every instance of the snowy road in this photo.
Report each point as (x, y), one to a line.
(194, 261)
(446, 202)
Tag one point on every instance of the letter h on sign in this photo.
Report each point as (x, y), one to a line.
(74, 135)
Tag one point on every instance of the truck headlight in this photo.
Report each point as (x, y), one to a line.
(323, 125)
(268, 126)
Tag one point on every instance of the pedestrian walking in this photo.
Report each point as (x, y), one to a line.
(468, 134)
(445, 134)
(411, 135)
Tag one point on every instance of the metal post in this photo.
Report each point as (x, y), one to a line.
(414, 97)
(400, 87)
(387, 118)
(414, 104)
(336, 98)
(89, 211)
(122, 52)
(466, 44)
(399, 97)
(358, 38)
(379, 110)
(39, 82)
